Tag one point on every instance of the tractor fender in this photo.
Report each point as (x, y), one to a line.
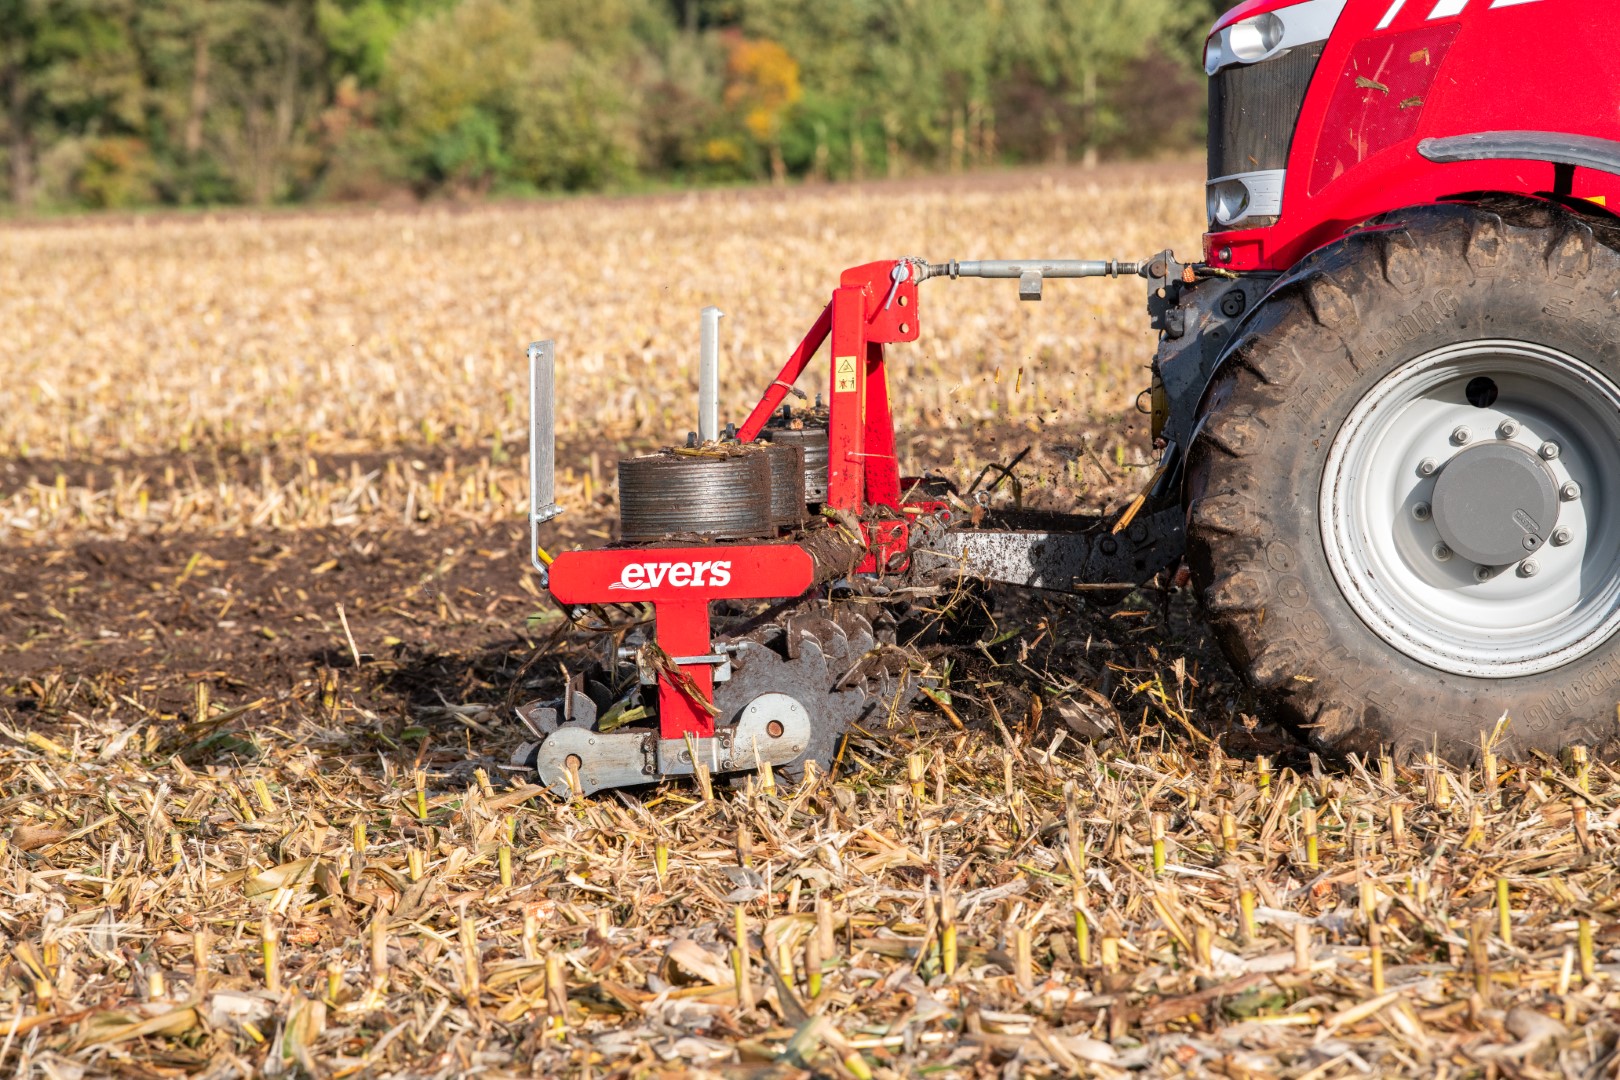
(1557, 147)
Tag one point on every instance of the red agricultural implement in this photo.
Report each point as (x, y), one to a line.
(1386, 406)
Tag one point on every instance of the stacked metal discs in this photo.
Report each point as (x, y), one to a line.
(812, 439)
(721, 497)
(787, 483)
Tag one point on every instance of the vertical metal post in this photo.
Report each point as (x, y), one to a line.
(709, 376)
(542, 447)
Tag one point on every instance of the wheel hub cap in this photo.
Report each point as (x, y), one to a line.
(1495, 503)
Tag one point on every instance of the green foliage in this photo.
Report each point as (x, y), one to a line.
(481, 98)
(113, 103)
(358, 34)
(117, 173)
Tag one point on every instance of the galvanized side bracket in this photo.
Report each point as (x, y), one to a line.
(542, 448)
(773, 729)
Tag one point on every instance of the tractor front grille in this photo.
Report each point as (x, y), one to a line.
(1253, 110)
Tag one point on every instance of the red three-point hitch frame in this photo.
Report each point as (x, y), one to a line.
(874, 305)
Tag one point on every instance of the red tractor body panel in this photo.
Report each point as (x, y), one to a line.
(1396, 72)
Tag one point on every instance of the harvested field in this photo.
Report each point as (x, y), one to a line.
(264, 606)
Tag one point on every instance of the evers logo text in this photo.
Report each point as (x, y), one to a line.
(639, 577)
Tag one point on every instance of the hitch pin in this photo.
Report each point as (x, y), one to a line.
(900, 273)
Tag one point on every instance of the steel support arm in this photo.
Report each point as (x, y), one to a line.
(778, 390)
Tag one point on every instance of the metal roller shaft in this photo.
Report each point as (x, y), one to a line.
(709, 375)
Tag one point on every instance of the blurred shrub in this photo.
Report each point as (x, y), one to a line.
(116, 174)
(479, 96)
(115, 102)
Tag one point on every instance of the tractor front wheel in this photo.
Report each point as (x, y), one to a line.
(1404, 501)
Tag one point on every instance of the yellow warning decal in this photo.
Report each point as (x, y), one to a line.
(1601, 200)
(844, 375)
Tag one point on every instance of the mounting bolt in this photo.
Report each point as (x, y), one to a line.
(1529, 568)
(1421, 511)
(1570, 491)
(1549, 450)
(1507, 429)
(1460, 434)
(1442, 552)
(1482, 573)
(1427, 466)
(1562, 536)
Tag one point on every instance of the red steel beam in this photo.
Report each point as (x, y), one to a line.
(778, 390)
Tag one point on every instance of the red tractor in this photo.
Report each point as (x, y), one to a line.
(1386, 404)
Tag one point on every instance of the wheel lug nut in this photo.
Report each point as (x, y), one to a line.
(1442, 552)
(1507, 429)
(1570, 491)
(1529, 568)
(1482, 573)
(1549, 450)
(1421, 511)
(1427, 466)
(1461, 434)
(1562, 536)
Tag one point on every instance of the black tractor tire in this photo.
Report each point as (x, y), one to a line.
(1328, 331)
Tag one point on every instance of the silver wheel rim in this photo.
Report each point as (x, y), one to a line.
(1382, 546)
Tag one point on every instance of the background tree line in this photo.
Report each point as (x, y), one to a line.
(118, 103)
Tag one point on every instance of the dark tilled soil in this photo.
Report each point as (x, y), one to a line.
(449, 615)
(440, 615)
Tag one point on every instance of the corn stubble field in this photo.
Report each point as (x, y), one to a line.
(264, 608)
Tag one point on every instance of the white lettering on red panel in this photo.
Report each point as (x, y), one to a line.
(641, 577)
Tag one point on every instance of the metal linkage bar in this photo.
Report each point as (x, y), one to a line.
(1052, 268)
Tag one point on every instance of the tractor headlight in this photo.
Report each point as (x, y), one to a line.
(1245, 197)
(1271, 33)
(1253, 38)
(1228, 201)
